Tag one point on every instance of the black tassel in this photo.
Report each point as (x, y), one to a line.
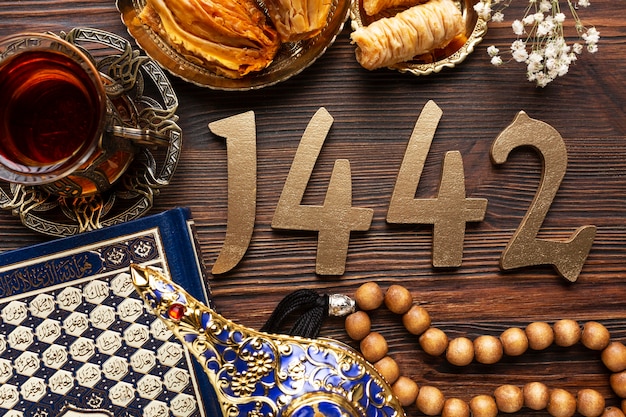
(311, 307)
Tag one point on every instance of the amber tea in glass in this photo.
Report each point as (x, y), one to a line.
(52, 105)
(58, 128)
(48, 107)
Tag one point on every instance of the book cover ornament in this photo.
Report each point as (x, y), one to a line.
(75, 338)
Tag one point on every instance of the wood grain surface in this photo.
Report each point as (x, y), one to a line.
(374, 115)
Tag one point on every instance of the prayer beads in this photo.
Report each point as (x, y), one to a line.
(485, 349)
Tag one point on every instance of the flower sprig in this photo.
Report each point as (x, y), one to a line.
(540, 42)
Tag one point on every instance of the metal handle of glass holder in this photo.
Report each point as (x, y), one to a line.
(143, 137)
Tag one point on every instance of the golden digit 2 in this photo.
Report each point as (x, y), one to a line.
(524, 248)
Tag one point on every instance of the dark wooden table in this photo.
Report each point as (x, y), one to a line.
(374, 114)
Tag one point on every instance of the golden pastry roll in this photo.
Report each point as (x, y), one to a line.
(373, 7)
(229, 37)
(415, 31)
(297, 20)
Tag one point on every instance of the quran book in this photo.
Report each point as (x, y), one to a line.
(76, 339)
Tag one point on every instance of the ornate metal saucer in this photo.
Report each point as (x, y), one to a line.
(292, 58)
(452, 55)
(146, 89)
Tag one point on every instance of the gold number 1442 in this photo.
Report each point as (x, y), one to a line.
(448, 212)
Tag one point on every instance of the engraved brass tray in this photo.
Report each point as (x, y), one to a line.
(151, 169)
(291, 59)
(450, 56)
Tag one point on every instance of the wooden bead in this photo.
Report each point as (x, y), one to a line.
(566, 333)
(487, 349)
(406, 390)
(430, 400)
(416, 320)
(514, 341)
(590, 403)
(369, 296)
(614, 357)
(460, 351)
(509, 398)
(398, 299)
(618, 383)
(536, 395)
(540, 335)
(623, 405)
(612, 412)
(455, 407)
(434, 341)
(483, 406)
(374, 347)
(388, 368)
(561, 404)
(595, 336)
(358, 325)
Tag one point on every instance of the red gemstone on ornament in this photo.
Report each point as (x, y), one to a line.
(176, 311)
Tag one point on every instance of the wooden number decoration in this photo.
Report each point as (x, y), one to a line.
(524, 248)
(240, 134)
(336, 219)
(450, 210)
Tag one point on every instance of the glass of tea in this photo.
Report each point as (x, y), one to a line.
(53, 113)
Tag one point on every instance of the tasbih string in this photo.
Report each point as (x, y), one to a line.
(313, 308)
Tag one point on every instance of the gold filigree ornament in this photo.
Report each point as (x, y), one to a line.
(120, 182)
(453, 53)
(255, 373)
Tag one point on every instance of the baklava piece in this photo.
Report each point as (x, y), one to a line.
(297, 20)
(232, 38)
(415, 31)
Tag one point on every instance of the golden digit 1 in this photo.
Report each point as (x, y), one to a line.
(524, 248)
(336, 218)
(451, 210)
(240, 134)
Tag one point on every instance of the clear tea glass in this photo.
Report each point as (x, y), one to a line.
(55, 117)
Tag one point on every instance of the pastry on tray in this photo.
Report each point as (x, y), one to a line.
(296, 20)
(415, 31)
(232, 38)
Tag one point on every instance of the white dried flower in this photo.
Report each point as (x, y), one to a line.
(545, 6)
(545, 28)
(520, 55)
(592, 36)
(493, 51)
(497, 17)
(483, 10)
(518, 27)
(540, 42)
(496, 61)
(577, 48)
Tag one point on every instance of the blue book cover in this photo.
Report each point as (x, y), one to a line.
(75, 338)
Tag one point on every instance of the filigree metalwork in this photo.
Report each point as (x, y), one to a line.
(260, 374)
(128, 76)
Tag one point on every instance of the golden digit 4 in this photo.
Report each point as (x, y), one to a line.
(336, 219)
(449, 212)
